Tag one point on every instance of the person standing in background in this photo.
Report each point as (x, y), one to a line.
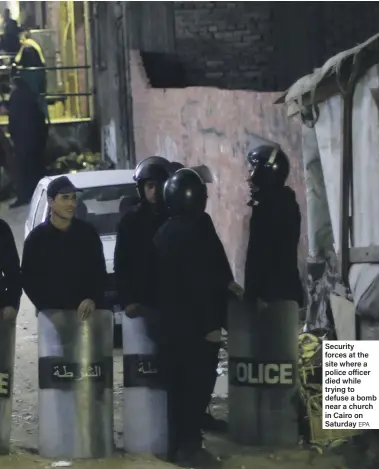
(31, 64)
(10, 40)
(28, 131)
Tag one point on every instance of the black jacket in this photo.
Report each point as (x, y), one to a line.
(10, 280)
(10, 41)
(271, 271)
(220, 263)
(27, 126)
(192, 278)
(133, 258)
(61, 269)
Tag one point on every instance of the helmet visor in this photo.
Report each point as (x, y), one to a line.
(256, 175)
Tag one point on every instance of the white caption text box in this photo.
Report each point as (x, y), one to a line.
(350, 385)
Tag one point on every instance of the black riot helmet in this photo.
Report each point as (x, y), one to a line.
(269, 169)
(153, 168)
(185, 193)
(175, 166)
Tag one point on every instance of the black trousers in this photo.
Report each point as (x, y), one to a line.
(189, 372)
(28, 170)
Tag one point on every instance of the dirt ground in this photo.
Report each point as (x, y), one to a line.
(25, 416)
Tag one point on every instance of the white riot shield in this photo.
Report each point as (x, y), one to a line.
(145, 400)
(75, 384)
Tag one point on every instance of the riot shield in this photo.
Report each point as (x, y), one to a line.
(145, 400)
(263, 351)
(75, 372)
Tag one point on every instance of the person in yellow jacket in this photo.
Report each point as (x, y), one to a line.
(29, 57)
(30, 53)
(29, 65)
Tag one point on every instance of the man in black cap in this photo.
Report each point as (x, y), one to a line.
(63, 265)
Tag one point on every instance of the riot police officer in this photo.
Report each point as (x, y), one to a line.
(191, 295)
(134, 244)
(209, 423)
(271, 271)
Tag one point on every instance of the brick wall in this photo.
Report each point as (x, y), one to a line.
(265, 46)
(347, 24)
(216, 127)
(225, 44)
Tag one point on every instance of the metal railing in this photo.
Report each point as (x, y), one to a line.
(55, 97)
(65, 42)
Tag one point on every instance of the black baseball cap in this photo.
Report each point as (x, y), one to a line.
(61, 185)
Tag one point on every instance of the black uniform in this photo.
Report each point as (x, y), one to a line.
(271, 271)
(192, 278)
(60, 269)
(191, 271)
(28, 131)
(221, 265)
(209, 423)
(10, 280)
(133, 256)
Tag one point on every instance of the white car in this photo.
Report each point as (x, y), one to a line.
(105, 197)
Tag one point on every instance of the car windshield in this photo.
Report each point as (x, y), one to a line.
(103, 207)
